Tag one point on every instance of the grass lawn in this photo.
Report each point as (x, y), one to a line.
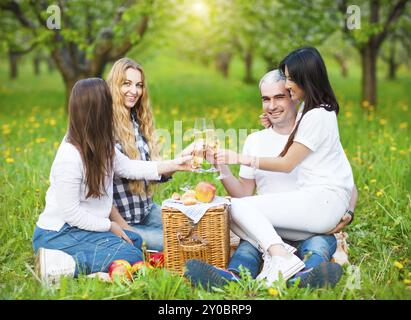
(377, 143)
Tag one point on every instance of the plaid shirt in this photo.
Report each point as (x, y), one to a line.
(133, 207)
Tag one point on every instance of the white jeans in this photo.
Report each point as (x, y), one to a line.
(296, 215)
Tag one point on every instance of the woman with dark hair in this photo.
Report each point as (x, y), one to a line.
(75, 234)
(324, 177)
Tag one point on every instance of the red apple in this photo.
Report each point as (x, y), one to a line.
(156, 259)
(205, 192)
(136, 267)
(120, 268)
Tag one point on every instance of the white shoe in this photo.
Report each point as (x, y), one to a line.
(267, 260)
(289, 248)
(266, 266)
(286, 266)
(52, 264)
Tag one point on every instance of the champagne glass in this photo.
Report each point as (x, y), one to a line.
(211, 141)
(199, 144)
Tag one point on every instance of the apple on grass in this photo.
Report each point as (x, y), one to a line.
(140, 265)
(156, 259)
(120, 268)
(205, 192)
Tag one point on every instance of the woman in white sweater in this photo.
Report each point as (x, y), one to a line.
(75, 234)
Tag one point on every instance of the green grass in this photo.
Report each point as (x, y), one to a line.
(33, 122)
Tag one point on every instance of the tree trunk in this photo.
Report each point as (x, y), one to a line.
(50, 64)
(36, 65)
(248, 64)
(392, 65)
(369, 55)
(13, 60)
(69, 84)
(222, 62)
(342, 61)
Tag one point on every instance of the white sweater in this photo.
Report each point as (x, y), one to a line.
(66, 197)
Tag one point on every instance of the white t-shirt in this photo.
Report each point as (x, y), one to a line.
(267, 143)
(66, 200)
(327, 165)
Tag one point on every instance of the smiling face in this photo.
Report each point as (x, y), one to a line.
(277, 103)
(132, 87)
(295, 91)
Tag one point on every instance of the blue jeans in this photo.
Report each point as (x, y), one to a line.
(92, 251)
(151, 229)
(313, 251)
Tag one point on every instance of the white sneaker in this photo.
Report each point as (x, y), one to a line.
(267, 261)
(266, 266)
(289, 248)
(52, 264)
(286, 266)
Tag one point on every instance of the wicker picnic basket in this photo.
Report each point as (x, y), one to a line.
(208, 240)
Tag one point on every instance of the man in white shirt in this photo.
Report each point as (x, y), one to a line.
(279, 118)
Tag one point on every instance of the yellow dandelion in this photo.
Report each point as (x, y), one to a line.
(370, 118)
(6, 131)
(370, 168)
(40, 140)
(365, 188)
(9, 160)
(403, 125)
(348, 114)
(32, 119)
(383, 121)
(53, 122)
(398, 265)
(18, 149)
(365, 104)
(272, 292)
(373, 180)
(56, 145)
(407, 281)
(403, 152)
(174, 111)
(393, 149)
(379, 193)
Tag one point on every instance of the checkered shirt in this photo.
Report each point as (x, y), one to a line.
(133, 207)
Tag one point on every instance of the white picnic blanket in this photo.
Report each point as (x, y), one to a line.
(195, 212)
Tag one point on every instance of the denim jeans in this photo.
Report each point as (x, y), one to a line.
(92, 251)
(151, 229)
(313, 251)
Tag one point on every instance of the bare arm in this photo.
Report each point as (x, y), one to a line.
(296, 153)
(354, 199)
(346, 219)
(236, 188)
(116, 217)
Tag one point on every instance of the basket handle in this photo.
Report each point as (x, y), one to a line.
(189, 235)
(180, 238)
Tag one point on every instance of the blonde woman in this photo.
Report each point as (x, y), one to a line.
(135, 137)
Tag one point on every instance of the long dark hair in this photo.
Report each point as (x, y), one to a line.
(307, 69)
(91, 131)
